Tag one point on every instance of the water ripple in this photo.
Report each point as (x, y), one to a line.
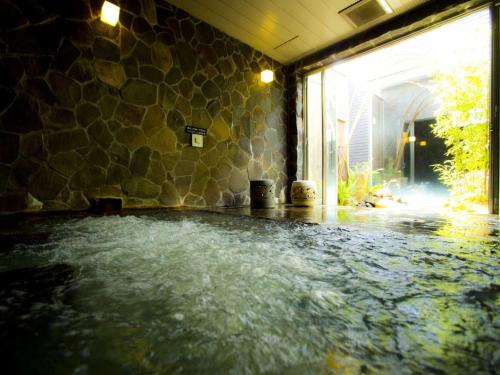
(200, 293)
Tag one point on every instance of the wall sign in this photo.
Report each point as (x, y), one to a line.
(195, 130)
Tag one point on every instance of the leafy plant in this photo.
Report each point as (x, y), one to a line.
(389, 173)
(462, 122)
(345, 190)
(357, 185)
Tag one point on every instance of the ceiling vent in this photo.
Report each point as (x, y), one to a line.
(365, 11)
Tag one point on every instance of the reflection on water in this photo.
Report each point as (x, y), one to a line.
(208, 293)
(468, 226)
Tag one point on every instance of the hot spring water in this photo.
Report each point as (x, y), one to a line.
(183, 292)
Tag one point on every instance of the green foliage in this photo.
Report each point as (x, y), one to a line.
(462, 122)
(357, 185)
(345, 190)
(388, 173)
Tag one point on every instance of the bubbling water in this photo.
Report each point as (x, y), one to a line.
(207, 293)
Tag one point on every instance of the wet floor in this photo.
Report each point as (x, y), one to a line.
(440, 222)
(367, 291)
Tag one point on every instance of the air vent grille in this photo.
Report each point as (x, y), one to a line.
(363, 12)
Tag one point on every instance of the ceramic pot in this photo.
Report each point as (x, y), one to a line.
(303, 193)
(262, 194)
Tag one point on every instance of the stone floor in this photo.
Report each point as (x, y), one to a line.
(448, 223)
(444, 223)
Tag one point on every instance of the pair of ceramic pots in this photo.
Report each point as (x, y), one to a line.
(262, 193)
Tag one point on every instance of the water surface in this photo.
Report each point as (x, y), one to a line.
(191, 292)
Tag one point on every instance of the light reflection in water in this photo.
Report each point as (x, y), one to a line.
(205, 293)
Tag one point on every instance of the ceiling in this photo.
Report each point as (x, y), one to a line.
(308, 25)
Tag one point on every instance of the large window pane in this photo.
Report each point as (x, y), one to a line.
(314, 132)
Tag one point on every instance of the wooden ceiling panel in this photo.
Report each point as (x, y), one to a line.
(283, 16)
(258, 19)
(229, 23)
(267, 24)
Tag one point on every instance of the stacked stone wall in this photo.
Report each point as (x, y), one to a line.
(89, 110)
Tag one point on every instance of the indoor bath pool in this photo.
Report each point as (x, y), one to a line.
(191, 292)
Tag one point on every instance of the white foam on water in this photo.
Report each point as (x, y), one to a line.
(221, 294)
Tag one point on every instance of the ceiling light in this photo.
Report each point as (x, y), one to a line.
(385, 5)
(110, 13)
(267, 76)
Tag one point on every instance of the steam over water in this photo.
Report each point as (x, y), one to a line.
(216, 294)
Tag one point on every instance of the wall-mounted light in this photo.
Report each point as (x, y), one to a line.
(267, 76)
(110, 13)
(422, 143)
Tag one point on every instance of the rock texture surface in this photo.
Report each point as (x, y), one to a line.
(88, 110)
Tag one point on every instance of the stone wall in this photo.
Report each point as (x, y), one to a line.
(90, 110)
